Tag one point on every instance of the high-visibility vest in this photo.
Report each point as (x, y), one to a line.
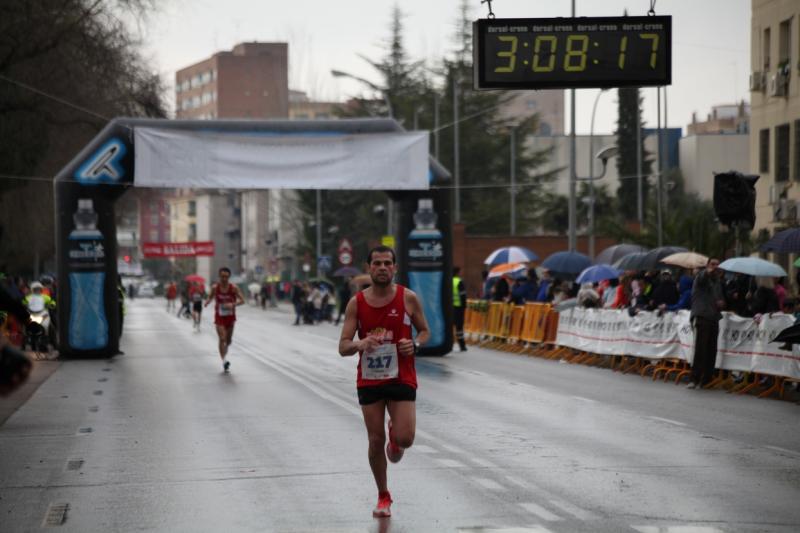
(456, 295)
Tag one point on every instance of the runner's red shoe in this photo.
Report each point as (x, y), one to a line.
(384, 507)
(393, 452)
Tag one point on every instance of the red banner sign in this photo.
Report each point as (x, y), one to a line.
(178, 249)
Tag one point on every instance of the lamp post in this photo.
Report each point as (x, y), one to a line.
(603, 155)
(381, 90)
(591, 176)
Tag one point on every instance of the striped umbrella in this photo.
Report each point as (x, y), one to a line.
(513, 270)
(510, 254)
(786, 241)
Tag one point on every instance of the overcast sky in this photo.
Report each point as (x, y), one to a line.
(710, 62)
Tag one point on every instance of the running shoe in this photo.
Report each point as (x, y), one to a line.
(384, 507)
(393, 452)
(226, 365)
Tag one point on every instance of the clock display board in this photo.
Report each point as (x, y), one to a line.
(548, 53)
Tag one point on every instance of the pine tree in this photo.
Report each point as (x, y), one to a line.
(628, 101)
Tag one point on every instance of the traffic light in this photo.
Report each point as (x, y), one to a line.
(126, 258)
(735, 198)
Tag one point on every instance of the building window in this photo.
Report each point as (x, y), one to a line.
(154, 219)
(153, 235)
(192, 208)
(797, 150)
(763, 150)
(192, 232)
(784, 42)
(765, 44)
(782, 153)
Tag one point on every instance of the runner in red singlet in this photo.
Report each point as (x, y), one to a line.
(227, 297)
(387, 380)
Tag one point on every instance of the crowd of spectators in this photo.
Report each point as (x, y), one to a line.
(668, 289)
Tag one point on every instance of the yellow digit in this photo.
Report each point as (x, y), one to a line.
(581, 53)
(510, 54)
(654, 38)
(623, 45)
(537, 47)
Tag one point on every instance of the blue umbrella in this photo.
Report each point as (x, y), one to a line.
(597, 273)
(566, 262)
(347, 272)
(786, 241)
(753, 266)
(510, 254)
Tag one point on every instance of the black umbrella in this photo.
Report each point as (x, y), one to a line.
(652, 260)
(347, 272)
(612, 254)
(790, 335)
(631, 261)
(786, 241)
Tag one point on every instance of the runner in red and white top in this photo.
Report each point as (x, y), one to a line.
(227, 297)
(383, 314)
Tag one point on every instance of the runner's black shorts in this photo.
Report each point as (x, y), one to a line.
(197, 306)
(396, 392)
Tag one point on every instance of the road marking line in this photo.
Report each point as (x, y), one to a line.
(588, 400)
(451, 463)
(574, 510)
(517, 481)
(450, 448)
(530, 529)
(483, 462)
(421, 448)
(677, 529)
(783, 450)
(667, 420)
(488, 483)
(540, 511)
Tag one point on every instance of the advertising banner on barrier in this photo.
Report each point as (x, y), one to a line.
(743, 343)
(178, 249)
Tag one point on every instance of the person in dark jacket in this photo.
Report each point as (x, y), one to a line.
(764, 299)
(707, 302)
(666, 293)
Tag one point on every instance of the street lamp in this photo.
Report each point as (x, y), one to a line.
(603, 155)
(591, 175)
(382, 90)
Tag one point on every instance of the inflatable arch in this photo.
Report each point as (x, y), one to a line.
(309, 154)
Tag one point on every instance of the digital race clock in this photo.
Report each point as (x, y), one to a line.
(572, 52)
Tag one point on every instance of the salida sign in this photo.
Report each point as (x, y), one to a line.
(178, 249)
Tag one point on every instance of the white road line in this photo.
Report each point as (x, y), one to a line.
(517, 481)
(530, 529)
(677, 529)
(421, 448)
(450, 448)
(540, 511)
(667, 420)
(574, 510)
(451, 463)
(783, 450)
(488, 483)
(587, 400)
(483, 462)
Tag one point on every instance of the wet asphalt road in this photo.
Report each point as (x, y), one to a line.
(159, 439)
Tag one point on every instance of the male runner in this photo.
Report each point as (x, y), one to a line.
(227, 296)
(196, 294)
(387, 380)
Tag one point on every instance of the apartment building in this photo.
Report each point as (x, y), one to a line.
(248, 82)
(775, 113)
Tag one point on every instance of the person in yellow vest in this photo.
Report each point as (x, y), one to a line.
(459, 305)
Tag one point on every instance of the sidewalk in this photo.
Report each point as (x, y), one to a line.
(42, 370)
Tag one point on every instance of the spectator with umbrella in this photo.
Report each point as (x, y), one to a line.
(666, 293)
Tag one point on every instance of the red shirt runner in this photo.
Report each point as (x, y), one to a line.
(224, 316)
(389, 324)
